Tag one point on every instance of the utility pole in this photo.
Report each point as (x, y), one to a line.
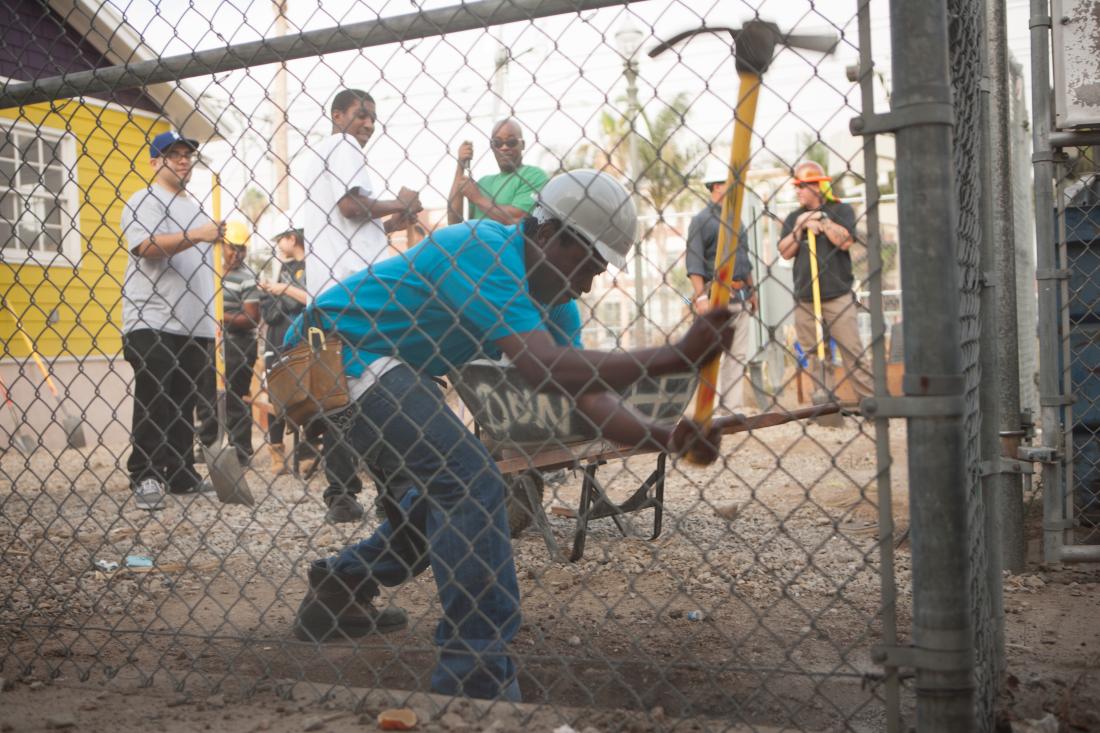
(629, 40)
(282, 126)
(500, 78)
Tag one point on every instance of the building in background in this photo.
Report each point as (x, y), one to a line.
(65, 170)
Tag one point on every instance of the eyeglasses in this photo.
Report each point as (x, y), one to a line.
(177, 155)
(512, 142)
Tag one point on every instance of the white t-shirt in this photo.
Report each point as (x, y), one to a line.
(336, 246)
(171, 294)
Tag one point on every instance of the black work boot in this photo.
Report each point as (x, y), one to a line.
(343, 509)
(338, 607)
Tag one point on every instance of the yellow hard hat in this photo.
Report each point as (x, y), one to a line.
(237, 233)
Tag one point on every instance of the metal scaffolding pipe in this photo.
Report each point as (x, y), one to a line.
(1010, 517)
(1050, 392)
(994, 484)
(933, 366)
(1073, 138)
(421, 24)
(891, 689)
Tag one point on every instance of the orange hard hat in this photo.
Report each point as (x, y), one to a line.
(810, 171)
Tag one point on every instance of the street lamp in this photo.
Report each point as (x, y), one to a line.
(629, 41)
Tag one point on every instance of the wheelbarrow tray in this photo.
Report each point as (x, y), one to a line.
(513, 416)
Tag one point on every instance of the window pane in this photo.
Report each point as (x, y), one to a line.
(37, 211)
(8, 203)
(51, 150)
(6, 241)
(28, 148)
(7, 147)
(27, 232)
(53, 214)
(28, 177)
(7, 173)
(51, 239)
(54, 179)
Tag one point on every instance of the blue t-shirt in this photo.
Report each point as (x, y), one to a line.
(441, 304)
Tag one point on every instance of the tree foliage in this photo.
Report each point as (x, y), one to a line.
(667, 167)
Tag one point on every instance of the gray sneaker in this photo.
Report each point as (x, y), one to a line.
(149, 494)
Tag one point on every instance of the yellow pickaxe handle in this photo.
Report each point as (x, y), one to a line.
(219, 296)
(815, 286)
(744, 116)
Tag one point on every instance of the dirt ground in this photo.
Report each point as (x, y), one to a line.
(758, 605)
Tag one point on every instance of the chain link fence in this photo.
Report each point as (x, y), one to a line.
(450, 194)
(1076, 194)
(1065, 226)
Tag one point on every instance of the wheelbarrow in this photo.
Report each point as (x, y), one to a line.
(531, 432)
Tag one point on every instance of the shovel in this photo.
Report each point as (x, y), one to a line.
(74, 428)
(22, 441)
(224, 467)
(820, 395)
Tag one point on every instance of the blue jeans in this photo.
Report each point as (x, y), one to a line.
(404, 430)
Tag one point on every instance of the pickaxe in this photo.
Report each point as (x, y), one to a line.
(754, 48)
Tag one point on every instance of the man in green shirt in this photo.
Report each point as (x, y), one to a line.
(506, 197)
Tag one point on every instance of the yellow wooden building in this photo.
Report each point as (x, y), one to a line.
(66, 169)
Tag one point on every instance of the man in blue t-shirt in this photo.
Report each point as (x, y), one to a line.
(474, 290)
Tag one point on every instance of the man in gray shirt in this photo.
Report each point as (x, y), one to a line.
(702, 247)
(167, 320)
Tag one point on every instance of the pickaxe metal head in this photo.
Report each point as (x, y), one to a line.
(755, 42)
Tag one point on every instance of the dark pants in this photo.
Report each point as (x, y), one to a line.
(403, 427)
(167, 369)
(240, 358)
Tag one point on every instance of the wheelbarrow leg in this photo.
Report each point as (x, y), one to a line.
(582, 512)
(539, 513)
(659, 497)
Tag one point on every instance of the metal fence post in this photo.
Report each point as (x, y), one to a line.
(933, 383)
(887, 579)
(1054, 510)
(1007, 383)
(989, 615)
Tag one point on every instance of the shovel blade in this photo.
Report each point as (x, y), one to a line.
(227, 476)
(25, 443)
(759, 390)
(74, 432)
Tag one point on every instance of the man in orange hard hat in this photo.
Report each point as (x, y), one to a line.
(833, 224)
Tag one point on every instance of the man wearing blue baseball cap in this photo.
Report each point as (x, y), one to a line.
(167, 320)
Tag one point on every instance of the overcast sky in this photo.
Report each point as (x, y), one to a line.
(434, 93)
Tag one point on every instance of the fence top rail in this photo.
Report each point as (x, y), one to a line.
(378, 32)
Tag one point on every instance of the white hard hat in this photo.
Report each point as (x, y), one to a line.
(597, 207)
(717, 171)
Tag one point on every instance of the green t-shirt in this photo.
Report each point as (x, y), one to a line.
(519, 188)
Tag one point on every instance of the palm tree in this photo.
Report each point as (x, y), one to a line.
(667, 168)
(667, 174)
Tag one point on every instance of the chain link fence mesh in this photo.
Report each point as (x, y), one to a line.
(745, 590)
(1078, 202)
(966, 65)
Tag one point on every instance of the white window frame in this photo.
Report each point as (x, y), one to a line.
(71, 249)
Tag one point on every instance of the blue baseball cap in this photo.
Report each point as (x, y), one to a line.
(165, 140)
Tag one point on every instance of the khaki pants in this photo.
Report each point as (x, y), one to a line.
(730, 382)
(839, 316)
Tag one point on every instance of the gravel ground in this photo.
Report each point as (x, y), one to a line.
(758, 603)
